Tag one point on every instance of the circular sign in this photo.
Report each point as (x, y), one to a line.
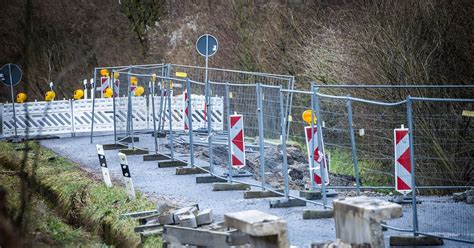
(10, 74)
(207, 45)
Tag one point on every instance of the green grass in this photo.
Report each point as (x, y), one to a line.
(81, 199)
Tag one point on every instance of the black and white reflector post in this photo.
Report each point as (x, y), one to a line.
(103, 165)
(126, 175)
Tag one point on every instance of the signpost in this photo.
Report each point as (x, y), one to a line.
(10, 75)
(206, 46)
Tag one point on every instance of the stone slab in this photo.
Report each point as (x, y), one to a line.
(317, 214)
(287, 203)
(187, 220)
(114, 146)
(134, 151)
(191, 170)
(261, 194)
(204, 217)
(409, 240)
(311, 194)
(128, 139)
(229, 186)
(209, 179)
(155, 157)
(171, 163)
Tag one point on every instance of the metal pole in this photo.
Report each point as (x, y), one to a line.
(13, 98)
(170, 115)
(153, 114)
(283, 118)
(289, 102)
(261, 133)
(321, 146)
(190, 121)
(114, 110)
(93, 103)
(353, 144)
(229, 141)
(311, 145)
(412, 162)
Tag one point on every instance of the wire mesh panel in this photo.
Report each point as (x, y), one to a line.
(443, 146)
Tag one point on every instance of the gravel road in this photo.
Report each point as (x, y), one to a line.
(160, 184)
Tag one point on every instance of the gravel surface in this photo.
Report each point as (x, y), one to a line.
(160, 184)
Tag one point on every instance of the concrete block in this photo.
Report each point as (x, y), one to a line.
(184, 211)
(134, 151)
(461, 196)
(155, 157)
(409, 240)
(204, 217)
(287, 203)
(229, 186)
(209, 179)
(187, 220)
(470, 200)
(311, 194)
(171, 163)
(128, 139)
(158, 134)
(358, 219)
(318, 214)
(114, 146)
(265, 230)
(166, 219)
(261, 194)
(191, 170)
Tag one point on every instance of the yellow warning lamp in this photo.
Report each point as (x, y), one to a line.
(308, 115)
(153, 77)
(49, 96)
(21, 97)
(139, 91)
(108, 93)
(181, 74)
(116, 74)
(134, 80)
(104, 72)
(78, 94)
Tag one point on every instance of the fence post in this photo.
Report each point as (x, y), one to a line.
(71, 106)
(190, 121)
(311, 145)
(209, 125)
(412, 162)
(353, 144)
(283, 117)
(114, 110)
(321, 145)
(153, 114)
(229, 141)
(169, 94)
(93, 105)
(261, 133)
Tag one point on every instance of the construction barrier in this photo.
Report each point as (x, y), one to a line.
(403, 182)
(311, 137)
(237, 141)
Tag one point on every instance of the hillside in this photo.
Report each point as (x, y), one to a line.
(366, 41)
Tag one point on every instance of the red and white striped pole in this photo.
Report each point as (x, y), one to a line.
(237, 148)
(403, 182)
(317, 156)
(186, 119)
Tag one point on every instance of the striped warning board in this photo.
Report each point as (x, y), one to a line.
(103, 165)
(403, 182)
(237, 148)
(127, 177)
(186, 113)
(317, 156)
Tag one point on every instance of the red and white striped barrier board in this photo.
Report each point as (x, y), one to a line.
(186, 119)
(317, 155)
(104, 84)
(103, 165)
(403, 182)
(237, 148)
(127, 177)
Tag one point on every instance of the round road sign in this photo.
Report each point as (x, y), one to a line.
(10, 74)
(207, 45)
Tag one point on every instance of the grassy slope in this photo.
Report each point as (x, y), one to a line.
(81, 199)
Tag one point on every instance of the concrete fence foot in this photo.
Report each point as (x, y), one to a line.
(229, 186)
(209, 179)
(191, 170)
(261, 194)
(287, 203)
(318, 214)
(410, 240)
